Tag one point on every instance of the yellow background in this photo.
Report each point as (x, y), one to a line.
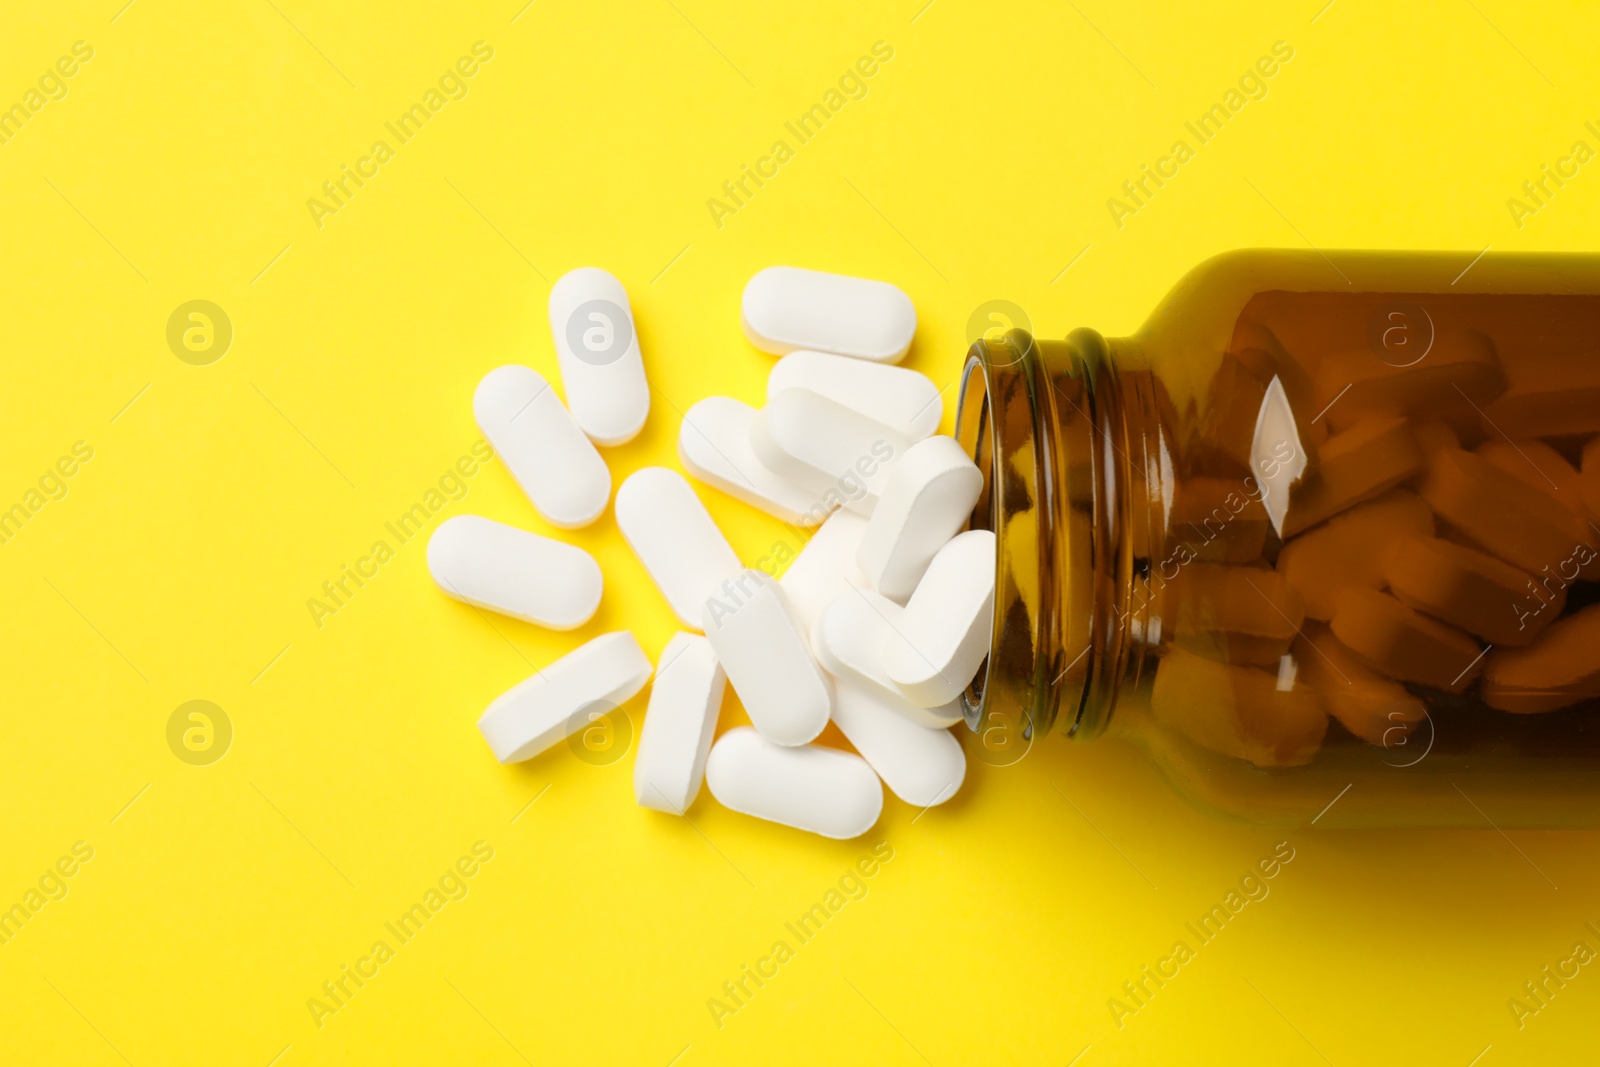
(978, 166)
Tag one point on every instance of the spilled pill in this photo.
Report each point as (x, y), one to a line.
(823, 790)
(714, 445)
(898, 397)
(849, 641)
(514, 572)
(564, 697)
(927, 498)
(785, 308)
(597, 348)
(838, 454)
(674, 536)
(767, 658)
(556, 465)
(944, 632)
(824, 568)
(922, 767)
(678, 724)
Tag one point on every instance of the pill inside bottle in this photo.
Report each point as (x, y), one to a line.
(1316, 538)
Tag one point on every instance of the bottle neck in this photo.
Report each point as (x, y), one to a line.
(1076, 469)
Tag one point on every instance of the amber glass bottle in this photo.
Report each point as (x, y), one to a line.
(1321, 537)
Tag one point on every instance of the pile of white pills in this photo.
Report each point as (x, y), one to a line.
(878, 625)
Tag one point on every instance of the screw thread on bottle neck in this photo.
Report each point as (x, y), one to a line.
(1075, 474)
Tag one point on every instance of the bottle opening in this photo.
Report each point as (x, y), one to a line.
(975, 433)
(1013, 697)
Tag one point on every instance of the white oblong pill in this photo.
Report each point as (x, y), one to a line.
(849, 641)
(922, 767)
(945, 629)
(557, 701)
(927, 498)
(597, 348)
(714, 445)
(556, 465)
(768, 659)
(785, 308)
(825, 568)
(514, 572)
(678, 723)
(839, 454)
(675, 538)
(898, 397)
(823, 790)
